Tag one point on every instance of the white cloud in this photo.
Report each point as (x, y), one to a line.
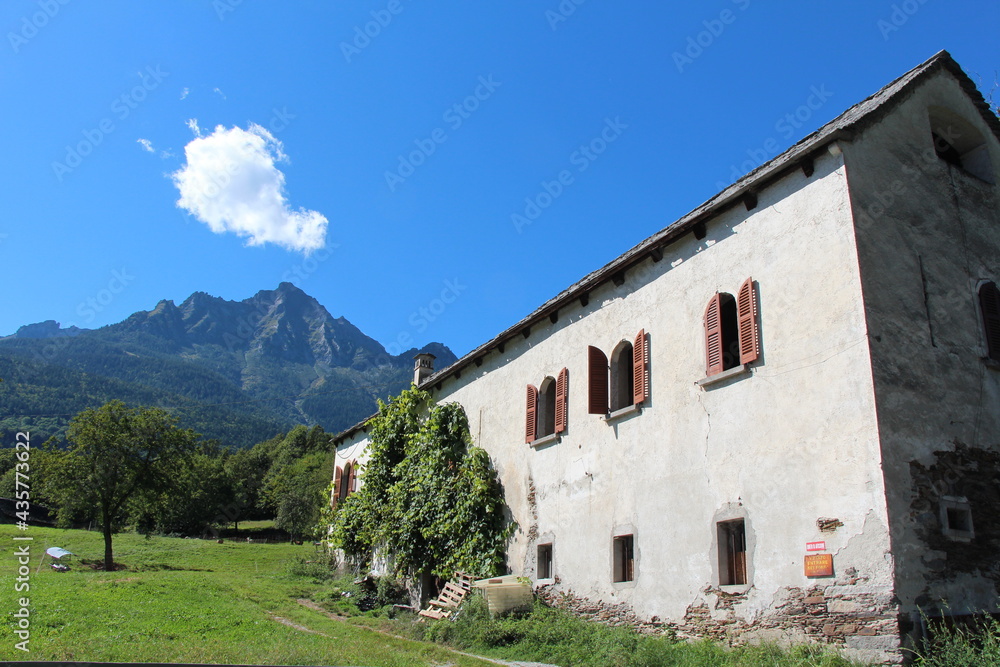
(231, 183)
(147, 145)
(221, 94)
(184, 93)
(193, 126)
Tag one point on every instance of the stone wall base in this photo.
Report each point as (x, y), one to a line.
(857, 620)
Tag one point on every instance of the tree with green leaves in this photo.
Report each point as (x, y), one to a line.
(246, 469)
(430, 498)
(301, 467)
(194, 500)
(117, 455)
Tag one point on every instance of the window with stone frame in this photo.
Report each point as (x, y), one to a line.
(732, 539)
(989, 308)
(543, 569)
(623, 548)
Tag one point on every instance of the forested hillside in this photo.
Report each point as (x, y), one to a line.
(239, 372)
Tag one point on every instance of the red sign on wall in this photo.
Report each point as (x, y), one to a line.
(815, 546)
(819, 565)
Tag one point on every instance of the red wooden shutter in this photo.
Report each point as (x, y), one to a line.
(345, 479)
(746, 312)
(562, 392)
(640, 370)
(989, 302)
(597, 363)
(713, 337)
(530, 414)
(337, 474)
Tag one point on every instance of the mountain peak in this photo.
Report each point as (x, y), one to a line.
(286, 292)
(278, 357)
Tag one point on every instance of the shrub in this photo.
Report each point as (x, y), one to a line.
(963, 646)
(318, 568)
(339, 596)
(379, 594)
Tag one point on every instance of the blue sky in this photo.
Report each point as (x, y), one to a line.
(386, 155)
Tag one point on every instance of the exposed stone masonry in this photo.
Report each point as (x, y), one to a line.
(969, 472)
(847, 614)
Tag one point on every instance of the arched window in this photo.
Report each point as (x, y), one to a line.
(732, 337)
(989, 305)
(622, 382)
(960, 144)
(343, 481)
(545, 410)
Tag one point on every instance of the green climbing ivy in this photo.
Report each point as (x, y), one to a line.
(430, 498)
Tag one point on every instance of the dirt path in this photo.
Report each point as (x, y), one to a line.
(309, 604)
(293, 624)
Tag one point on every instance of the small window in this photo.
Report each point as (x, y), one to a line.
(546, 408)
(946, 151)
(956, 518)
(624, 558)
(621, 383)
(544, 569)
(732, 334)
(989, 306)
(958, 143)
(959, 519)
(732, 552)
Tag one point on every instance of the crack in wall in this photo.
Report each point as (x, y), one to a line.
(708, 434)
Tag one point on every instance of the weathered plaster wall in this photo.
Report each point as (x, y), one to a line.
(793, 442)
(928, 233)
(871, 402)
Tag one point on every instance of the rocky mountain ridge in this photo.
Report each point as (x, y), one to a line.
(278, 358)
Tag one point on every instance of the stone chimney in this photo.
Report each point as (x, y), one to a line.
(423, 367)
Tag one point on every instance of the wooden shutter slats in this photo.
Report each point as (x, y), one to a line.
(597, 381)
(352, 483)
(746, 312)
(640, 371)
(562, 391)
(345, 479)
(337, 476)
(713, 337)
(530, 414)
(989, 302)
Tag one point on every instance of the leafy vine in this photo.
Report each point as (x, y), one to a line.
(430, 499)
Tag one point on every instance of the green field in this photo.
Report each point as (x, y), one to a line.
(182, 600)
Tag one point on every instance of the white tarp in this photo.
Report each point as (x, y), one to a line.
(58, 552)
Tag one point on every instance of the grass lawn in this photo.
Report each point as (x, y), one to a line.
(185, 600)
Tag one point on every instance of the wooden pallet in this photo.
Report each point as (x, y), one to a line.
(451, 597)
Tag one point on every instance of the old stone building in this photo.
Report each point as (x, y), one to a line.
(779, 416)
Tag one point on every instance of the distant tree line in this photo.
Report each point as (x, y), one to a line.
(136, 468)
